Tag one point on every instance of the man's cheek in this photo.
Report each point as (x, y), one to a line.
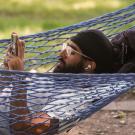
(72, 62)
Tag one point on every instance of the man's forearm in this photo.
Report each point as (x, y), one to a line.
(19, 110)
(18, 102)
(22, 119)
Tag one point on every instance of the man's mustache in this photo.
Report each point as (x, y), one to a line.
(62, 60)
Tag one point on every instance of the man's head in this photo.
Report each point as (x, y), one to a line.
(88, 51)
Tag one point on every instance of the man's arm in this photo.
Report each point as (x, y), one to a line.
(23, 122)
(22, 119)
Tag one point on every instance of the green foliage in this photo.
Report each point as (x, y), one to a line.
(31, 16)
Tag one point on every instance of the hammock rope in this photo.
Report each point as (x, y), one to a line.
(65, 97)
(68, 98)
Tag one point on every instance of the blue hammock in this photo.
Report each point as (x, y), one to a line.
(68, 98)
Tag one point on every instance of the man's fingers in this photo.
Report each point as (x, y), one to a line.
(9, 55)
(7, 59)
(5, 63)
(21, 49)
(16, 47)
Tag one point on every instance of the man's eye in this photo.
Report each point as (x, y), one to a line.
(73, 52)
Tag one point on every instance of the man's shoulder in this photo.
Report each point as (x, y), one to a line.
(126, 37)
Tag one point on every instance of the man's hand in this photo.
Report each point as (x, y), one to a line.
(15, 61)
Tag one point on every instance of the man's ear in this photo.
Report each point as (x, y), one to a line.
(89, 66)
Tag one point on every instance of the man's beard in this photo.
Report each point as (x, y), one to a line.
(78, 68)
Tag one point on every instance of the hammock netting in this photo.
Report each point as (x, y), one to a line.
(66, 98)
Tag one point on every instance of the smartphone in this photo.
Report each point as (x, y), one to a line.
(13, 44)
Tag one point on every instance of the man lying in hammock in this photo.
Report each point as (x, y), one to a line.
(22, 121)
(87, 52)
(90, 51)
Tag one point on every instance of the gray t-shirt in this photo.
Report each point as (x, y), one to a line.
(4, 109)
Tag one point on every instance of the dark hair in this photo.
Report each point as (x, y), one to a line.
(97, 46)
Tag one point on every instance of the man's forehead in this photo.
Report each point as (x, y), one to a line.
(69, 41)
(72, 44)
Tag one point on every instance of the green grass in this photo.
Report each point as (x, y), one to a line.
(32, 16)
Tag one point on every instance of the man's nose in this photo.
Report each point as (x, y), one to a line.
(63, 54)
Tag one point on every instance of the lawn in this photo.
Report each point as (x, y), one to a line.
(32, 16)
